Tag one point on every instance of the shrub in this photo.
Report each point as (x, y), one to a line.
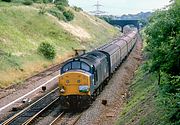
(17, 1)
(47, 50)
(55, 12)
(61, 8)
(7, 0)
(42, 10)
(77, 9)
(62, 2)
(41, 1)
(69, 15)
(28, 2)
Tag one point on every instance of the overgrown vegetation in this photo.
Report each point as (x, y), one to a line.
(105, 18)
(27, 2)
(68, 15)
(58, 11)
(62, 2)
(155, 91)
(61, 12)
(23, 29)
(61, 8)
(55, 12)
(47, 50)
(7, 0)
(147, 104)
(77, 9)
(163, 47)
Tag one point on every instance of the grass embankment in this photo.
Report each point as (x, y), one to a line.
(22, 29)
(146, 105)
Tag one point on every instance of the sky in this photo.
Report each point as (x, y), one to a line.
(120, 7)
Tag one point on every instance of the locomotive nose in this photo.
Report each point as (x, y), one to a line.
(74, 83)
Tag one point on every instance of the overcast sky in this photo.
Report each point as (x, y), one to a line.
(119, 7)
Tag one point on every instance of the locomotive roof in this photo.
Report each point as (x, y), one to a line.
(91, 58)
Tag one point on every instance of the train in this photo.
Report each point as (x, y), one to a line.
(83, 77)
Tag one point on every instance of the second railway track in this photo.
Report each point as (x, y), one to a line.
(25, 116)
(66, 118)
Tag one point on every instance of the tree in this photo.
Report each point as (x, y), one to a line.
(163, 38)
(163, 46)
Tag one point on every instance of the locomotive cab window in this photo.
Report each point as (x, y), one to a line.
(76, 65)
(84, 66)
(67, 67)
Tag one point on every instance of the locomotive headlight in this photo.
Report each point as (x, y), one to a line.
(62, 90)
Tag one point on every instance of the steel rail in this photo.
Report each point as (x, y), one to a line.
(74, 120)
(33, 117)
(57, 118)
(13, 118)
(77, 118)
(28, 93)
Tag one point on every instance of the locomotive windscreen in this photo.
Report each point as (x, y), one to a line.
(75, 65)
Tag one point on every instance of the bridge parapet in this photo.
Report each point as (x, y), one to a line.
(123, 23)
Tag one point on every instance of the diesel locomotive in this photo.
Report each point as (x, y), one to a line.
(83, 77)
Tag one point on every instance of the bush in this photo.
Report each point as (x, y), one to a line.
(55, 12)
(42, 10)
(77, 9)
(17, 1)
(41, 1)
(69, 15)
(47, 50)
(28, 2)
(62, 2)
(7, 0)
(61, 8)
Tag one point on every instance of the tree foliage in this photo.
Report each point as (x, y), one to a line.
(163, 46)
(62, 2)
(164, 40)
(47, 50)
(68, 15)
(27, 2)
(7, 0)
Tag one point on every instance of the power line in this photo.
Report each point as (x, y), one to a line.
(97, 12)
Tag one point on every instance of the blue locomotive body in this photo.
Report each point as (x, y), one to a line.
(83, 77)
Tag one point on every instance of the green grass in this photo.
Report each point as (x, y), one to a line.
(146, 103)
(22, 29)
(95, 26)
(21, 34)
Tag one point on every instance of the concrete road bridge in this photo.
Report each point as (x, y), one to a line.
(122, 23)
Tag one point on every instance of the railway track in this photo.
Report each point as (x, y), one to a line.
(66, 119)
(27, 115)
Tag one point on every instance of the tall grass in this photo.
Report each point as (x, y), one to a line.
(22, 29)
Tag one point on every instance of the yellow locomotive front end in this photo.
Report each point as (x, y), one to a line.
(74, 88)
(74, 83)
